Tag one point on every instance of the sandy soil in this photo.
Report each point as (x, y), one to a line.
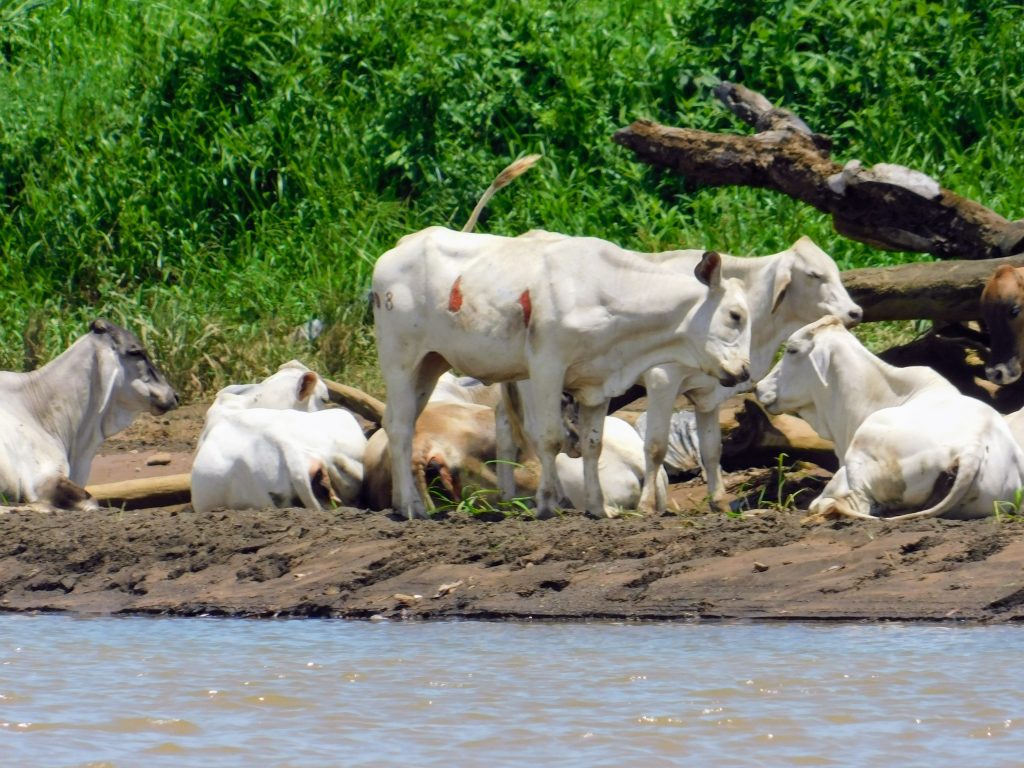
(352, 563)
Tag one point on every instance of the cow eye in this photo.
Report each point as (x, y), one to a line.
(736, 317)
(1015, 310)
(815, 275)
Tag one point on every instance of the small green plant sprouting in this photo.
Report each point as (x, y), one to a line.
(1006, 511)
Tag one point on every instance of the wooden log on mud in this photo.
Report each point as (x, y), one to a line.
(886, 206)
(144, 492)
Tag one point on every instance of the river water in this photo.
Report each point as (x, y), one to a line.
(229, 692)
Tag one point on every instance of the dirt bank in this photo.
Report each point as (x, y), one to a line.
(354, 563)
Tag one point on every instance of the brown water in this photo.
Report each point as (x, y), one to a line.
(222, 692)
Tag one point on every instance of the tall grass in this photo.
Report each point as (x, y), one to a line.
(214, 173)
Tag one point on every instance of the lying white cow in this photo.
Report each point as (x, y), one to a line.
(53, 420)
(578, 314)
(273, 444)
(784, 292)
(292, 386)
(262, 457)
(620, 469)
(907, 440)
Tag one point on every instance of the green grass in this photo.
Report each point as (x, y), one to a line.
(214, 173)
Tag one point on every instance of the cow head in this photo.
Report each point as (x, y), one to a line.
(808, 286)
(724, 322)
(132, 383)
(1001, 302)
(292, 387)
(802, 370)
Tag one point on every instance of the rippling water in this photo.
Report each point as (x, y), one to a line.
(225, 692)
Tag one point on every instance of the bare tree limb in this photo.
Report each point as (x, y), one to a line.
(886, 206)
(950, 291)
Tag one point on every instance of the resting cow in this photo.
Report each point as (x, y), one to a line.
(620, 469)
(1001, 303)
(53, 420)
(578, 314)
(273, 444)
(908, 441)
(262, 457)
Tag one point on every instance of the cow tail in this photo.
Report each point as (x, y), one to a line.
(967, 469)
(509, 174)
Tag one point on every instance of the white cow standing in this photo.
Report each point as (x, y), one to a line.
(53, 420)
(908, 441)
(273, 444)
(784, 292)
(579, 314)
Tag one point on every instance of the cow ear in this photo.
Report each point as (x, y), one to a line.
(99, 325)
(782, 280)
(821, 359)
(709, 270)
(307, 384)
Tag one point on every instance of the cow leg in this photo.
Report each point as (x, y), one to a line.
(591, 430)
(709, 441)
(838, 499)
(662, 387)
(507, 454)
(406, 397)
(544, 422)
(61, 493)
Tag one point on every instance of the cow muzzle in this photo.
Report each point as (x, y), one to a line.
(730, 379)
(1003, 373)
(766, 396)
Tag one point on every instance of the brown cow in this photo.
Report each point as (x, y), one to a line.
(1001, 302)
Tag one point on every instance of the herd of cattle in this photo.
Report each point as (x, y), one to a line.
(556, 326)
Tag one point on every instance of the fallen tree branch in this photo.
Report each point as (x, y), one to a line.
(950, 291)
(357, 401)
(144, 492)
(886, 206)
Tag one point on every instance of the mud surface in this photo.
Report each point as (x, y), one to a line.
(353, 563)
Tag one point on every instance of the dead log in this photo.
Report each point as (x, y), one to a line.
(886, 206)
(949, 291)
(357, 401)
(144, 492)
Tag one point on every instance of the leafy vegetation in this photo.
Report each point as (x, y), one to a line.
(214, 173)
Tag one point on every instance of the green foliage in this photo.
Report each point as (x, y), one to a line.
(1008, 511)
(214, 173)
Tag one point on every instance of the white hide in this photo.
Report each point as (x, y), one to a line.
(464, 389)
(784, 292)
(571, 313)
(261, 457)
(53, 420)
(908, 441)
(620, 469)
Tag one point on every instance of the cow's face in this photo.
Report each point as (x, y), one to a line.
(724, 319)
(1001, 303)
(803, 368)
(136, 384)
(808, 286)
(293, 386)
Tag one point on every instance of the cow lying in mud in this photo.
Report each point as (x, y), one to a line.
(908, 441)
(53, 420)
(273, 444)
(574, 314)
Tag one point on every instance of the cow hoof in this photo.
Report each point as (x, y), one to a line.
(721, 506)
